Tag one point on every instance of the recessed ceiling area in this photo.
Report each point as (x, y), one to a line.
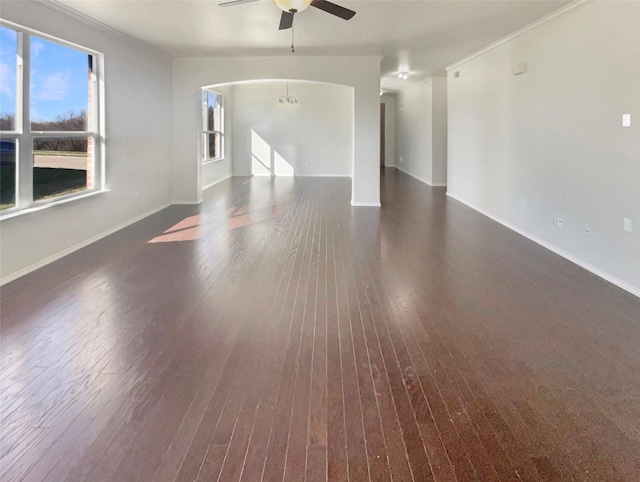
(419, 37)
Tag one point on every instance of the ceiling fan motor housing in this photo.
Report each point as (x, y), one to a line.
(293, 6)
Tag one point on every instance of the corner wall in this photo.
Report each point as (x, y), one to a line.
(525, 149)
(415, 125)
(390, 101)
(138, 141)
(422, 131)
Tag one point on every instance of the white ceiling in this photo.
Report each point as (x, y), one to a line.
(419, 36)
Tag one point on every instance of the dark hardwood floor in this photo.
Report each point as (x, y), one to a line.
(277, 333)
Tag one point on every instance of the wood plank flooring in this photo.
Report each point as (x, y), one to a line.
(277, 333)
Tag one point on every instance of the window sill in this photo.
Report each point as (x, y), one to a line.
(44, 206)
(211, 161)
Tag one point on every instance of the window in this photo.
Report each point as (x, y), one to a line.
(213, 126)
(50, 142)
(8, 109)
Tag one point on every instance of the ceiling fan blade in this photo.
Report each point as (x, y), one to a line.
(231, 3)
(286, 20)
(333, 9)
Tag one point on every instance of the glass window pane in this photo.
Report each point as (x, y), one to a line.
(61, 80)
(215, 145)
(61, 165)
(211, 105)
(212, 146)
(7, 173)
(8, 79)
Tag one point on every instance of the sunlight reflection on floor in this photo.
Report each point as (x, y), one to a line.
(191, 228)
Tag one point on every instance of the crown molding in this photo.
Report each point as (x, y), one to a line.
(63, 9)
(416, 85)
(536, 23)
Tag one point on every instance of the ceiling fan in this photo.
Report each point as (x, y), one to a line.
(291, 7)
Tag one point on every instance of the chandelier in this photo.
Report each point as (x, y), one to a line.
(288, 99)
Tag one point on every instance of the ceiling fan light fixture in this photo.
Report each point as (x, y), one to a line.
(292, 5)
(403, 75)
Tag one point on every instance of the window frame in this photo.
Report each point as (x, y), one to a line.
(24, 136)
(206, 132)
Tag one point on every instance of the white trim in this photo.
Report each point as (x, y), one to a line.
(210, 161)
(55, 5)
(216, 182)
(583, 264)
(369, 205)
(413, 175)
(520, 31)
(437, 184)
(295, 175)
(49, 37)
(44, 204)
(78, 246)
(411, 86)
(319, 175)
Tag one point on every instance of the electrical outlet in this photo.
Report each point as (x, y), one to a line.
(523, 205)
(559, 222)
(401, 159)
(587, 230)
(626, 120)
(627, 225)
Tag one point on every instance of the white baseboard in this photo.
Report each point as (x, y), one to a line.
(78, 246)
(420, 179)
(583, 264)
(321, 175)
(413, 175)
(216, 182)
(294, 175)
(370, 205)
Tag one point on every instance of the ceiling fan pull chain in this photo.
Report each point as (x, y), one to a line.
(293, 51)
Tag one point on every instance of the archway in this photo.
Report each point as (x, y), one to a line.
(264, 135)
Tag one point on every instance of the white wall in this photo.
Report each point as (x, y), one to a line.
(415, 123)
(422, 131)
(361, 73)
(439, 136)
(389, 128)
(553, 137)
(138, 140)
(216, 171)
(313, 139)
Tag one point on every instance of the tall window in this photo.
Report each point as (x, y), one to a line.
(213, 126)
(49, 112)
